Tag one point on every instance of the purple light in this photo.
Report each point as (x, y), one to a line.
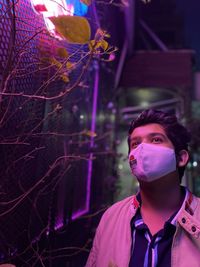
(77, 214)
(93, 127)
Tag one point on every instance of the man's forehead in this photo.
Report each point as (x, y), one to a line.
(148, 129)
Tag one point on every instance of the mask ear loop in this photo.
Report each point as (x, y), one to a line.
(177, 158)
(177, 162)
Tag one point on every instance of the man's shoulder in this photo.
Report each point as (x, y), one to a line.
(122, 206)
(196, 197)
(196, 200)
(195, 205)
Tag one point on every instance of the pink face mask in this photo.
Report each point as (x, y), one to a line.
(150, 162)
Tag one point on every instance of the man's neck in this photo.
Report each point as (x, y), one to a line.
(160, 200)
(164, 194)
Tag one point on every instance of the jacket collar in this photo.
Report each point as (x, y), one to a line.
(189, 216)
(186, 215)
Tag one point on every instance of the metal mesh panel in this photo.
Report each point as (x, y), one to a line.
(16, 119)
(22, 120)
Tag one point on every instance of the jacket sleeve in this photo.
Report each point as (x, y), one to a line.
(92, 259)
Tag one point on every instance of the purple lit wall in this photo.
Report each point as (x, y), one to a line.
(61, 204)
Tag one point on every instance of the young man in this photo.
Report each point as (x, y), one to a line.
(160, 226)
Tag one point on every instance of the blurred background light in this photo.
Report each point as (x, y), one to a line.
(195, 164)
(50, 8)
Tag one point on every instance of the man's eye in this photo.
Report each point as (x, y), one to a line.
(157, 140)
(134, 145)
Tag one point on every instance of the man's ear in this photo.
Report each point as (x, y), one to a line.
(183, 158)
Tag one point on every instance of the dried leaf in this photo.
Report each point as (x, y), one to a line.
(45, 60)
(95, 45)
(62, 52)
(92, 45)
(86, 2)
(74, 29)
(65, 78)
(101, 34)
(103, 44)
(55, 62)
(90, 133)
(69, 65)
(107, 35)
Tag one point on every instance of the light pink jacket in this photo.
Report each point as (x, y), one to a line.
(112, 242)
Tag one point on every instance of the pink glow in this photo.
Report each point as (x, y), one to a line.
(51, 8)
(58, 225)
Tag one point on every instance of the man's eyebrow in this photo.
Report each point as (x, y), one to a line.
(135, 138)
(150, 134)
(156, 133)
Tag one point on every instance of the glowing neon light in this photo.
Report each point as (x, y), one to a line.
(85, 209)
(80, 9)
(77, 214)
(55, 8)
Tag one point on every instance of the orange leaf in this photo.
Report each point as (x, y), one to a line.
(90, 133)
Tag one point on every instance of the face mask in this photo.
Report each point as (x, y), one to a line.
(150, 162)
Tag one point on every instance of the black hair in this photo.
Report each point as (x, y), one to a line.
(176, 132)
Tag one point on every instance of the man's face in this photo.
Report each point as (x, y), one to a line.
(152, 133)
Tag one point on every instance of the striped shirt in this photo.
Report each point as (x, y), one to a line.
(148, 250)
